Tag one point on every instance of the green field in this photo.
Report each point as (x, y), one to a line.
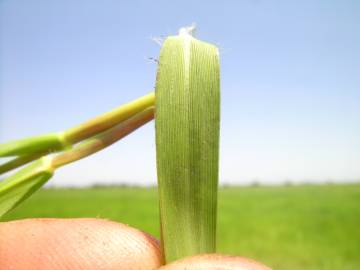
(288, 228)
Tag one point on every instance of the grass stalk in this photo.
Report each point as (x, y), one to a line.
(19, 186)
(51, 142)
(102, 140)
(29, 149)
(20, 161)
(109, 119)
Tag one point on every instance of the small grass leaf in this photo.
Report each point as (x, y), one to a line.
(23, 183)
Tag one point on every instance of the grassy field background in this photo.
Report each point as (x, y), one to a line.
(302, 227)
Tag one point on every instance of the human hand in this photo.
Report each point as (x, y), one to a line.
(59, 244)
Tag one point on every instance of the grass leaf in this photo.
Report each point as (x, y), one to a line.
(23, 183)
(187, 145)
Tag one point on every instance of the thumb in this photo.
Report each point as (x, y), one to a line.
(60, 244)
(215, 262)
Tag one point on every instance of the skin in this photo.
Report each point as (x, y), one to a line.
(78, 244)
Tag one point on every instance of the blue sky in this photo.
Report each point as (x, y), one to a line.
(290, 81)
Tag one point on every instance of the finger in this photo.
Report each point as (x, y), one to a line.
(215, 261)
(60, 244)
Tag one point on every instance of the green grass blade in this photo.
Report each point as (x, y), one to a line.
(49, 142)
(23, 183)
(187, 145)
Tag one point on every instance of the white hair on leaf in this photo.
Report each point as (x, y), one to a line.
(158, 40)
(188, 30)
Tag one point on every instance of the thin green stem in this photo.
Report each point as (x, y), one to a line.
(104, 139)
(109, 119)
(55, 142)
(29, 149)
(23, 183)
(19, 161)
(51, 142)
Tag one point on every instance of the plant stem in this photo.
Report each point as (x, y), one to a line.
(51, 142)
(29, 149)
(23, 183)
(104, 139)
(19, 161)
(109, 119)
